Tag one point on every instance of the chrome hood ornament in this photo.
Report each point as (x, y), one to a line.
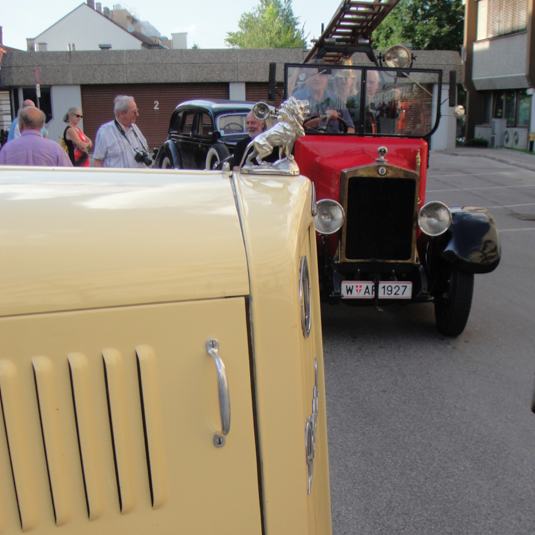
(283, 134)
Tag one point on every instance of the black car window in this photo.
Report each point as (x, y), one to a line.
(175, 122)
(205, 125)
(187, 122)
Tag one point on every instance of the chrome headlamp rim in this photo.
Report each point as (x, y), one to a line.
(445, 223)
(334, 204)
(397, 52)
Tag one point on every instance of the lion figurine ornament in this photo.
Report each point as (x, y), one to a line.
(283, 134)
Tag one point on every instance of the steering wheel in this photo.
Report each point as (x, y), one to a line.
(233, 127)
(342, 124)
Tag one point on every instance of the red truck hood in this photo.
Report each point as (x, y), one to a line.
(323, 158)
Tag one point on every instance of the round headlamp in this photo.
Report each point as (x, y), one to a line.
(329, 217)
(458, 111)
(434, 218)
(397, 56)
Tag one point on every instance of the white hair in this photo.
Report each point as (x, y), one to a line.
(121, 103)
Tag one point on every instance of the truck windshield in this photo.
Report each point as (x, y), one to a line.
(351, 100)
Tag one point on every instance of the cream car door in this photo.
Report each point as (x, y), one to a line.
(111, 420)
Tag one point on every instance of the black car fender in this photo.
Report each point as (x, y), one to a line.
(169, 149)
(471, 244)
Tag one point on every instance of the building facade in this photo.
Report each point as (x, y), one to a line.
(91, 27)
(499, 54)
(161, 79)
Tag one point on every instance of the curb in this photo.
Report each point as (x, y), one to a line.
(516, 163)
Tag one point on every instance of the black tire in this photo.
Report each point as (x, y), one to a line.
(215, 155)
(453, 307)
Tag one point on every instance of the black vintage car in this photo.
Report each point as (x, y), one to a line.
(202, 133)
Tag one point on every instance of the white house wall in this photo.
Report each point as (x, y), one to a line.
(86, 29)
(444, 137)
(62, 98)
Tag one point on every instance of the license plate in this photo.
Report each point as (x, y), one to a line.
(366, 290)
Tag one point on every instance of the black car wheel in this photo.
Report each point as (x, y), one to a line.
(216, 154)
(453, 307)
(166, 163)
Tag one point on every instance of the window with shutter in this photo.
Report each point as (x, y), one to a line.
(506, 16)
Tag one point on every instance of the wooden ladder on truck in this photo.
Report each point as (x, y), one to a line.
(350, 30)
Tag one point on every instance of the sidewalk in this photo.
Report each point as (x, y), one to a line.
(511, 157)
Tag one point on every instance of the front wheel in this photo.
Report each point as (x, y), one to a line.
(166, 163)
(453, 307)
(216, 154)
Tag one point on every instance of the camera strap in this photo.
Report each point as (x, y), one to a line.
(121, 129)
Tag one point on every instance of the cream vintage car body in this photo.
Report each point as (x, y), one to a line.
(111, 285)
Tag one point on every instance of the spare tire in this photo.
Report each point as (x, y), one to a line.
(216, 154)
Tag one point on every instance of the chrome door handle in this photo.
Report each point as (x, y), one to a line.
(212, 347)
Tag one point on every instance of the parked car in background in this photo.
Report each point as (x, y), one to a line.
(202, 133)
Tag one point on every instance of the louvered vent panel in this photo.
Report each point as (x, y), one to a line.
(37, 448)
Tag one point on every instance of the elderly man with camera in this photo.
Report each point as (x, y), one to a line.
(120, 142)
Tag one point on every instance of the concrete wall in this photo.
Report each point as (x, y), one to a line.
(501, 63)
(144, 66)
(86, 29)
(178, 66)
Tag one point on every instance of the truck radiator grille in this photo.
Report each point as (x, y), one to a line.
(380, 217)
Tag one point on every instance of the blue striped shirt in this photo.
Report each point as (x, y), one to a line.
(114, 150)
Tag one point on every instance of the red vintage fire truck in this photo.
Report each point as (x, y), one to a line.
(366, 150)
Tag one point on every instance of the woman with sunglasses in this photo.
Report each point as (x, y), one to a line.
(76, 141)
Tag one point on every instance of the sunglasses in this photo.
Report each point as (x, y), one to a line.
(79, 116)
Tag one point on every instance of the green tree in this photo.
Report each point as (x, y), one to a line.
(426, 24)
(272, 24)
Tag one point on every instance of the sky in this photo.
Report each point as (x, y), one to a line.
(206, 21)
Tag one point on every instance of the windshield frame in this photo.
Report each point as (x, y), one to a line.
(359, 129)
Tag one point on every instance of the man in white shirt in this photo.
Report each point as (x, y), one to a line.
(120, 142)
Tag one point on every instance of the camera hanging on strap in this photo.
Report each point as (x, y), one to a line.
(141, 156)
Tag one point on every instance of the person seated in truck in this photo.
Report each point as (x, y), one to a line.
(347, 85)
(325, 106)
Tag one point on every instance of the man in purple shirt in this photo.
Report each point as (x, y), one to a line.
(30, 148)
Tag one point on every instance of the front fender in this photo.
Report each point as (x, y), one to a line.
(169, 149)
(472, 243)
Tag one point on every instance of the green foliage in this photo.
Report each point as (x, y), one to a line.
(426, 24)
(477, 142)
(272, 24)
(195, 46)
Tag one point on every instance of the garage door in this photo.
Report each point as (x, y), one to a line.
(156, 102)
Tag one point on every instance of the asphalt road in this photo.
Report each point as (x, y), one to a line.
(433, 435)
